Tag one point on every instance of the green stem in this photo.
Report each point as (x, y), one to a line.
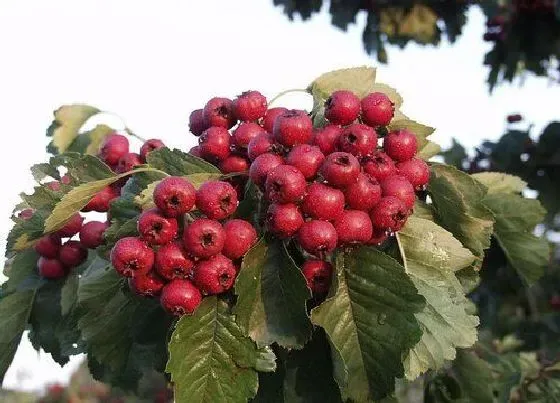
(286, 92)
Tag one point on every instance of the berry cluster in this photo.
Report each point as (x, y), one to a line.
(181, 258)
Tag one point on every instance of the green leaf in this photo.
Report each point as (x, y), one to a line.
(423, 210)
(272, 295)
(69, 293)
(370, 321)
(177, 163)
(429, 150)
(19, 269)
(210, 360)
(474, 376)
(360, 80)
(89, 142)
(43, 170)
(497, 182)
(82, 168)
(68, 120)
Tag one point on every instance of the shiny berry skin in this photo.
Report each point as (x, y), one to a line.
(318, 275)
(327, 138)
(285, 184)
(180, 297)
(196, 151)
(353, 226)
(340, 169)
(172, 261)
(146, 285)
(358, 140)
(216, 199)
(293, 127)
(197, 123)
(113, 148)
(380, 166)
(156, 229)
(261, 144)
(91, 234)
(72, 226)
(48, 246)
(377, 109)
(219, 112)
(234, 163)
(363, 194)
(246, 132)
(214, 275)
(215, 143)
(323, 202)
(306, 158)
(250, 105)
(284, 220)
(399, 187)
(261, 167)
(270, 117)
(317, 237)
(132, 256)
(416, 171)
(400, 145)
(240, 237)
(50, 268)
(389, 215)
(342, 107)
(101, 202)
(72, 254)
(149, 146)
(127, 162)
(174, 196)
(203, 238)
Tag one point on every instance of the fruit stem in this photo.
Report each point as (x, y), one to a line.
(132, 134)
(286, 92)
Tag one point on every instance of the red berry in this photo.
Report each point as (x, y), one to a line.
(317, 237)
(66, 179)
(514, 118)
(101, 202)
(216, 199)
(380, 166)
(50, 268)
(378, 237)
(72, 226)
(215, 143)
(270, 117)
(358, 140)
(180, 297)
(246, 132)
(197, 123)
(399, 187)
(285, 184)
(174, 196)
(327, 138)
(283, 220)
(261, 167)
(72, 254)
(132, 256)
(149, 146)
(48, 246)
(293, 127)
(353, 226)
(250, 105)
(196, 151)
(555, 302)
(113, 148)
(306, 158)
(53, 185)
(389, 215)
(401, 145)
(127, 162)
(240, 237)
(416, 171)
(91, 234)
(26, 214)
(323, 202)
(172, 261)
(156, 229)
(261, 144)
(340, 169)
(364, 194)
(234, 163)
(219, 112)
(204, 238)
(318, 274)
(377, 109)
(342, 107)
(215, 275)
(146, 285)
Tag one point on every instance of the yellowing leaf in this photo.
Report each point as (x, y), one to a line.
(97, 135)
(429, 150)
(23, 242)
(359, 80)
(68, 119)
(498, 182)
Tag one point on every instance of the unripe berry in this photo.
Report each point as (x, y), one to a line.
(270, 117)
(285, 184)
(358, 140)
(234, 163)
(342, 107)
(323, 202)
(113, 148)
(146, 285)
(101, 202)
(216, 199)
(174, 196)
(149, 146)
(72, 226)
(172, 261)
(204, 238)
(246, 132)
(219, 112)
(326, 138)
(197, 123)
(318, 275)
(72, 254)
(377, 109)
(50, 268)
(250, 105)
(240, 237)
(416, 171)
(399, 187)
(215, 275)
(306, 158)
(400, 145)
(156, 229)
(293, 127)
(180, 297)
(215, 143)
(261, 144)
(353, 226)
(340, 169)
(132, 256)
(196, 151)
(127, 162)
(389, 215)
(91, 234)
(317, 237)
(262, 165)
(48, 246)
(363, 194)
(380, 166)
(284, 220)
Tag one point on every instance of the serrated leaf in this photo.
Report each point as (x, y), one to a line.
(474, 376)
(82, 168)
(429, 150)
(432, 256)
(68, 120)
(210, 360)
(360, 80)
(272, 295)
(177, 163)
(44, 170)
(370, 321)
(497, 182)
(392, 93)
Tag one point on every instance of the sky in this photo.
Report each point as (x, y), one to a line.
(151, 63)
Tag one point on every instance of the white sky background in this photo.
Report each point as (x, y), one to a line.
(153, 62)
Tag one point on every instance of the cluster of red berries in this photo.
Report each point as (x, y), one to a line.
(181, 258)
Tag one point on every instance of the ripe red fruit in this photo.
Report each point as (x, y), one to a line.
(50, 268)
(246, 132)
(101, 202)
(146, 285)
(215, 143)
(389, 215)
(250, 105)
(401, 145)
(270, 117)
(380, 166)
(53, 185)
(416, 171)
(363, 194)
(180, 297)
(326, 138)
(113, 148)
(283, 220)
(318, 275)
(399, 187)
(48, 246)
(285, 184)
(358, 140)
(317, 237)
(215, 275)
(261, 144)
(149, 146)
(377, 109)
(240, 237)
(174, 196)
(128, 161)
(234, 163)
(156, 229)
(306, 158)
(514, 118)
(197, 123)
(196, 151)
(262, 165)
(340, 169)
(132, 256)
(293, 127)
(219, 112)
(91, 234)
(72, 254)
(323, 202)
(172, 261)
(204, 238)
(72, 226)
(353, 226)
(216, 199)
(342, 107)
(26, 214)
